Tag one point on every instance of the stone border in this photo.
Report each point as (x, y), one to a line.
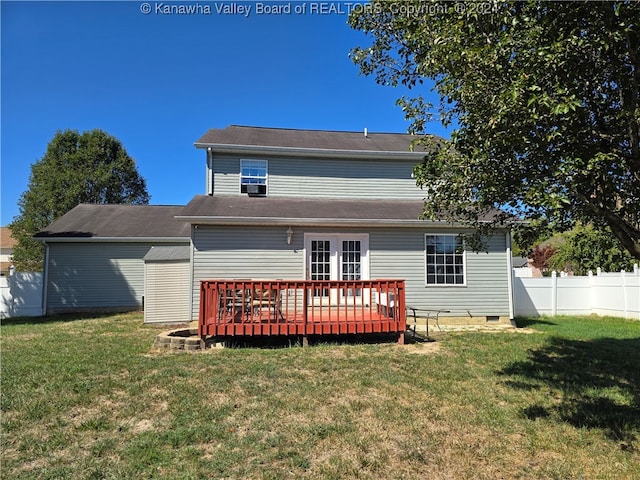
(185, 339)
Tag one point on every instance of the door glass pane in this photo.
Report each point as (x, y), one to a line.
(351, 265)
(320, 263)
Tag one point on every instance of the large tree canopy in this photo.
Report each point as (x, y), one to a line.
(88, 167)
(545, 97)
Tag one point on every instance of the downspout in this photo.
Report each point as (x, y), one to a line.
(45, 280)
(509, 274)
(191, 272)
(209, 186)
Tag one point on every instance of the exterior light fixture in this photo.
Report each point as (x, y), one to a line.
(289, 235)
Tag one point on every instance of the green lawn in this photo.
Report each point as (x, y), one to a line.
(87, 398)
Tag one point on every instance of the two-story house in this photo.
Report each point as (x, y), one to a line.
(280, 204)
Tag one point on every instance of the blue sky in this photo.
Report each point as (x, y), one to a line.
(157, 82)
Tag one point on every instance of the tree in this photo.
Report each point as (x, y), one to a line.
(546, 96)
(583, 248)
(88, 167)
(541, 256)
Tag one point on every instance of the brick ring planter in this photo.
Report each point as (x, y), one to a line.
(179, 339)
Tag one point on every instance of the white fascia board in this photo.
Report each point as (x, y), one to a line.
(308, 152)
(113, 239)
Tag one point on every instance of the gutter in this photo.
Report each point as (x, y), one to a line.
(54, 239)
(309, 152)
(310, 222)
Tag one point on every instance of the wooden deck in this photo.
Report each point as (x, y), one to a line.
(296, 307)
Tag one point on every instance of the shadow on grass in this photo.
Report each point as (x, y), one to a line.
(284, 341)
(63, 318)
(593, 384)
(523, 322)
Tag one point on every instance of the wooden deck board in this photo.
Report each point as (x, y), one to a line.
(351, 324)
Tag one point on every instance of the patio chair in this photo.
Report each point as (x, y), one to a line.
(234, 304)
(266, 300)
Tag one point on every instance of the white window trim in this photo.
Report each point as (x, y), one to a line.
(266, 177)
(464, 264)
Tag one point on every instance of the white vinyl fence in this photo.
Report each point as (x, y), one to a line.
(615, 294)
(21, 295)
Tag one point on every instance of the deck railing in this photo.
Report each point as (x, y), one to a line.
(301, 307)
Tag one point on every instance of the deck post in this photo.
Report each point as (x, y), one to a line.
(305, 300)
(305, 341)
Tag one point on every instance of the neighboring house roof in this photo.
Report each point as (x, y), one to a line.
(134, 222)
(519, 262)
(235, 137)
(246, 210)
(6, 240)
(168, 254)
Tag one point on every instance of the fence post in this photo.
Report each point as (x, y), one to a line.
(554, 293)
(624, 293)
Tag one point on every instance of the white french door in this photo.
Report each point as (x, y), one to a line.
(337, 257)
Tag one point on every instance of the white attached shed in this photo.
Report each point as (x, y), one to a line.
(167, 285)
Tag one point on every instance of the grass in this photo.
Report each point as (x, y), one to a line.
(87, 398)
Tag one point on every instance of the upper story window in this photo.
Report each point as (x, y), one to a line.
(253, 177)
(445, 260)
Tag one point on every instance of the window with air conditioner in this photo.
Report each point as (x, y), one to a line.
(253, 177)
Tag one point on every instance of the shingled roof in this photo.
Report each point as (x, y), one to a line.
(90, 221)
(243, 136)
(245, 210)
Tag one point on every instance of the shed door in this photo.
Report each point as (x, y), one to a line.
(167, 292)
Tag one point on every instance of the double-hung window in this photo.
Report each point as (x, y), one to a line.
(253, 177)
(445, 260)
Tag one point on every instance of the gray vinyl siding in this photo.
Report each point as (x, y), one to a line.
(325, 178)
(399, 253)
(244, 253)
(262, 253)
(107, 275)
(167, 292)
